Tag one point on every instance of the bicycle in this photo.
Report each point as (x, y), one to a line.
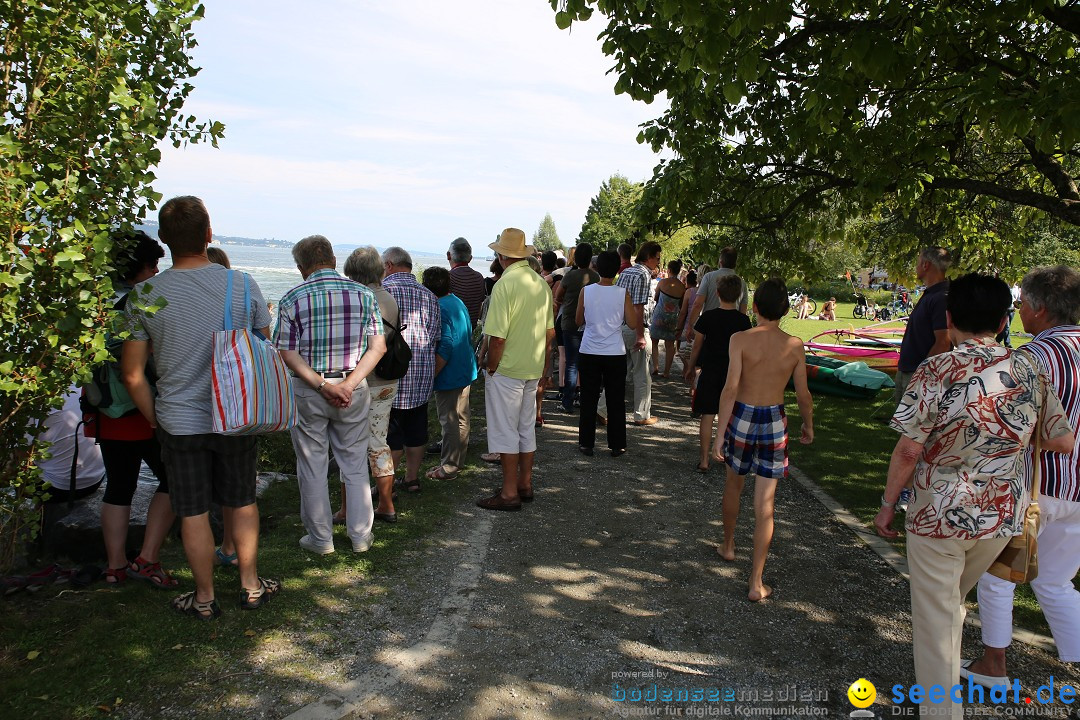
(795, 299)
(862, 307)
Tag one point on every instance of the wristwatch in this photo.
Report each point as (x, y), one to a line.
(886, 503)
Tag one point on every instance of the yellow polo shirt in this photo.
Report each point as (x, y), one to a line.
(520, 311)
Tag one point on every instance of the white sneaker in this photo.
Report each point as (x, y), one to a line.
(364, 545)
(310, 545)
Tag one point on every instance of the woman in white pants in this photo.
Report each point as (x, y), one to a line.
(1050, 310)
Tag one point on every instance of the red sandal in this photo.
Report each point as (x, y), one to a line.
(114, 576)
(151, 572)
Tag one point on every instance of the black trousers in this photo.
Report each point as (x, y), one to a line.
(608, 373)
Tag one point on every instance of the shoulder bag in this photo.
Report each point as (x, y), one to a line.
(252, 388)
(1019, 561)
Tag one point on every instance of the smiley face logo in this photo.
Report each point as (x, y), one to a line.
(862, 693)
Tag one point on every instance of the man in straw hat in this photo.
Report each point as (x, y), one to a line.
(521, 327)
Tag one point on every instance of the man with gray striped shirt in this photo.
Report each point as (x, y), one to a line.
(200, 464)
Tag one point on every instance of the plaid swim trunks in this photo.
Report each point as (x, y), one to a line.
(756, 440)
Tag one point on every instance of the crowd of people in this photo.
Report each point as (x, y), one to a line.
(968, 409)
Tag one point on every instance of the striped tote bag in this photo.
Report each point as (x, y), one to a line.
(252, 388)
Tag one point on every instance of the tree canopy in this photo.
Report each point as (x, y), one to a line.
(546, 237)
(91, 87)
(788, 118)
(612, 217)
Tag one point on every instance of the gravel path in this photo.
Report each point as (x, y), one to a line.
(610, 582)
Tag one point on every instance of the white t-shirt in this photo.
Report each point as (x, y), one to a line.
(604, 311)
(61, 430)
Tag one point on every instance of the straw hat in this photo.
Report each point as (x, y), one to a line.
(511, 243)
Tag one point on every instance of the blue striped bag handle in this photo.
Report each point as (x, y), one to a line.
(247, 303)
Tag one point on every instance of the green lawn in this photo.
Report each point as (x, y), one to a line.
(55, 643)
(845, 318)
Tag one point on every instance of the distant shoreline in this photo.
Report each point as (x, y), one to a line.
(151, 229)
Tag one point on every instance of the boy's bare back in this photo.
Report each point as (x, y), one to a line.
(768, 357)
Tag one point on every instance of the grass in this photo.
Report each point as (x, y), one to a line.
(845, 318)
(55, 644)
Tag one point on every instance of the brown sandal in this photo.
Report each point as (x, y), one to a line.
(186, 604)
(496, 502)
(439, 473)
(252, 599)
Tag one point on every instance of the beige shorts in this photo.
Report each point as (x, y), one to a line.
(511, 414)
(382, 400)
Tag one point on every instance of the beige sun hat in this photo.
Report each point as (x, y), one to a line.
(511, 243)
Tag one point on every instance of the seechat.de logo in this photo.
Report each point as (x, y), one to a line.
(862, 694)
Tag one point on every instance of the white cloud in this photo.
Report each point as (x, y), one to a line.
(405, 122)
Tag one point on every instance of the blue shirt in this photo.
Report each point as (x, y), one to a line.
(455, 345)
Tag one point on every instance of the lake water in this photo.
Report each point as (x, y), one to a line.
(275, 272)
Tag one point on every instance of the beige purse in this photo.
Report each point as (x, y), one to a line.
(1019, 561)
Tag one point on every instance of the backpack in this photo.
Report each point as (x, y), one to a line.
(105, 393)
(395, 363)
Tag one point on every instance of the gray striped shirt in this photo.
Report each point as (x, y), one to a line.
(182, 336)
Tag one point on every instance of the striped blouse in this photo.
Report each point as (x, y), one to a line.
(1056, 351)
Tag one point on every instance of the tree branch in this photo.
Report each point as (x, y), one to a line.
(1063, 208)
(1052, 170)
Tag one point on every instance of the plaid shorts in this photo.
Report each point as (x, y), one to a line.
(756, 440)
(208, 468)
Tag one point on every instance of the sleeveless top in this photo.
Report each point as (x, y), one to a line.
(604, 310)
(665, 317)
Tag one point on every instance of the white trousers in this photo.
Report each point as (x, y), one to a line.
(322, 426)
(1059, 561)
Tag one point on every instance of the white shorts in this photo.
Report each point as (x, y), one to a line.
(511, 414)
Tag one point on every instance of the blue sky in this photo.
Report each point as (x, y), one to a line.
(408, 122)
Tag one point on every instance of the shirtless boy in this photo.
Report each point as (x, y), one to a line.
(761, 361)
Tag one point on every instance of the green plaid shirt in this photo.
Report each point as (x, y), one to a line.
(327, 319)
